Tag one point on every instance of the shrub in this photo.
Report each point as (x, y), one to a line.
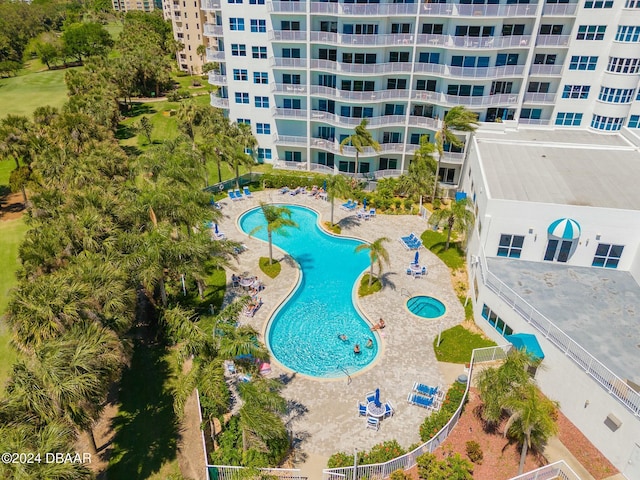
(437, 203)
(408, 203)
(434, 422)
(474, 451)
(397, 203)
(399, 475)
(340, 460)
(177, 95)
(383, 452)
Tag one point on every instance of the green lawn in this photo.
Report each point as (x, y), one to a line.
(436, 241)
(21, 95)
(457, 343)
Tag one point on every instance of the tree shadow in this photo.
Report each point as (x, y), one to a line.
(146, 430)
(385, 280)
(139, 108)
(131, 151)
(123, 132)
(348, 222)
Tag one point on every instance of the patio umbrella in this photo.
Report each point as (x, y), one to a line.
(376, 399)
(324, 185)
(416, 258)
(364, 204)
(216, 229)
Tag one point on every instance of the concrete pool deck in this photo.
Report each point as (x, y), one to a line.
(323, 415)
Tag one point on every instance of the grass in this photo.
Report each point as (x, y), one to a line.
(271, 270)
(457, 343)
(453, 258)
(21, 95)
(333, 228)
(365, 289)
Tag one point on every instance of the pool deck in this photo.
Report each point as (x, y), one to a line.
(323, 415)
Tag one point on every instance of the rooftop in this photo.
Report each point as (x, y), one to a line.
(606, 325)
(570, 167)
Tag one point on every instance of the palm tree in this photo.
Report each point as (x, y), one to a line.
(459, 218)
(278, 220)
(377, 254)
(243, 340)
(337, 186)
(458, 119)
(360, 140)
(422, 170)
(532, 419)
(190, 116)
(244, 141)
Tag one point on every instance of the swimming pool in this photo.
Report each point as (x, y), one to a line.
(303, 333)
(426, 307)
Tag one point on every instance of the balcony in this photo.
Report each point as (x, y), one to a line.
(288, 88)
(347, 95)
(219, 102)
(424, 122)
(210, 5)
(288, 63)
(380, 9)
(215, 79)
(362, 40)
(540, 98)
(337, 120)
(289, 113)
(553, 40)
(546, 70)
(214, 55)
(211, 30)
(431, 68)
(474, 42)
(453, 158)
(534, 121)
(457, 10)
(286, 7)
(484, 72)
(559, 9)
(358, 68)
(452, 100)
(287, 35)
(289, 140)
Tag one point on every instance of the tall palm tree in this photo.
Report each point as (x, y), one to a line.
(244, 141)
(360, 140)
(377, 255)
(459, 218)
(337, 186)
(531, 422)
(458, 119)
(278, 220)
(422, 170)
(243, 340)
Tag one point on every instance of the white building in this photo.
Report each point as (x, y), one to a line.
(304, 73)
(555, 252)
(187, 20)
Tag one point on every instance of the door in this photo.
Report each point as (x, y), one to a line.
(558, 250)
(632, 470)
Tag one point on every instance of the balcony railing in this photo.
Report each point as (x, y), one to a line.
(479, 101)
(287, 35)
(375, 96)
(457, 10)
(484, 72)
(546, 70)
(287, 7)
(289, 140)
(215, 79)
(211, 30)
(474, 42)
(289, 113)
(382, 9)
(288, 88)
(214, 55)
(425, 122)
(332, 118)
(540, 97)
(534, 121)
(365, 69)
(219, 102)
(210, 5)
(362, 40)
(553, 40)
(288, 62)
(559, 9)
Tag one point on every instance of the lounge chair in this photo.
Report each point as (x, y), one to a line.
(232, 195)
(283, 190)
(230, 367)
(363, 214)
(362, 409)
(295, 192)
(388, 409)
(373, 423)
(238, 194)
(372, 212)
(350, 205)
(247, 192)
(420, 400)
(424, 389)
(215, 204)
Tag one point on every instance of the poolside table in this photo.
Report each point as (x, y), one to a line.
(246, 282)
(415, 268)
(374, 410)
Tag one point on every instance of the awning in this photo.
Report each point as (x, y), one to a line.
(565, 229)
(528, 342)
(460, 196)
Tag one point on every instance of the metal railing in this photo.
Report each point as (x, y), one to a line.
(377, 95)
(553, 40)
(534, 121)
(476, 101)
(212, 30)
(216, 79)
(373, 39)
(218, 101)
(210, 5)
(545, 70)
(226, 472)
(287, 35)
(372, 68)
(498, 10)
(214, 55)
(540, 97)
(559, 9)
(285, 62)
(558, 470)
(613, 384)
(474, 42)
(408, 460)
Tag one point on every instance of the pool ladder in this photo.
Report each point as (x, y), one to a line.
(340, 367)
(405, 293)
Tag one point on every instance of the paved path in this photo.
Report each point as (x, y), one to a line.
(323, 414)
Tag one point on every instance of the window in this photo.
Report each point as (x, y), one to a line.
(327, 81)
(607, 123)
(391, 137)
(396, 84)
(292, 156)
(598, 4)
(623, 65)
(387, 163)
(591, 32)
(360, 29)
(256, 2)
(400, 28)
(628, 33)
(356, 112)
(393, 109)
(474, 31)
(495, 321)
(575, 91)
(542, 59)
(583, 63)
(293, 103)
(538, 87)
(429, 57)
(506, 59)
(360, 58)
(510, 29)
(236, 24)
(261, 77)
(569, 119)
(261, 102)
(242, 97)
(447, 175)
(470, 62)
(331, 27)
(264, 154)
(428, 85)
(244, 121)
(240, 75)
(358, 85)
(263, 128)
(510, 245)
(415, 138)
(548, 29)
(238, 50)
(330, 54)
(632, 4)
(327, 159)
(531, 113)
(327, 133)
(398, 57)
(258, 26)
(607, 255)
(289, 25)
(259, 52)
(234, 1)
(290, 79)
(291, 53)
(465, 90)
(634, 121)
(432, 29)
(616, 95)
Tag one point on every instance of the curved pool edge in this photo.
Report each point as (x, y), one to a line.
(440, 317)
(354, 297)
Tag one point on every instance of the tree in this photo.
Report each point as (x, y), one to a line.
(532, 419)
(86, 39)
(243, 141)
(278, 220)
(452, 467)
(360, 140)
(377, 254)
(47, 47)
(201, 51)
(422, 170)
(337, 186)
(458, 119)
(240, 341)
(146, 127)
(459, 218)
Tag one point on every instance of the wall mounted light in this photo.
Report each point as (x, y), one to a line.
(586, 403)
(598, 236)
(530, 230)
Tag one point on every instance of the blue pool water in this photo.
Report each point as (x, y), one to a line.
(303, 333)
(426, 307)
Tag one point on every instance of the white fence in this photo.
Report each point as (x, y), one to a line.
(601, 374)
(557, 470)
(219, 472)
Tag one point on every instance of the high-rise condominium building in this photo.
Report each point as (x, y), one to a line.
(304, 73)
(187, 20)
(144, 5)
